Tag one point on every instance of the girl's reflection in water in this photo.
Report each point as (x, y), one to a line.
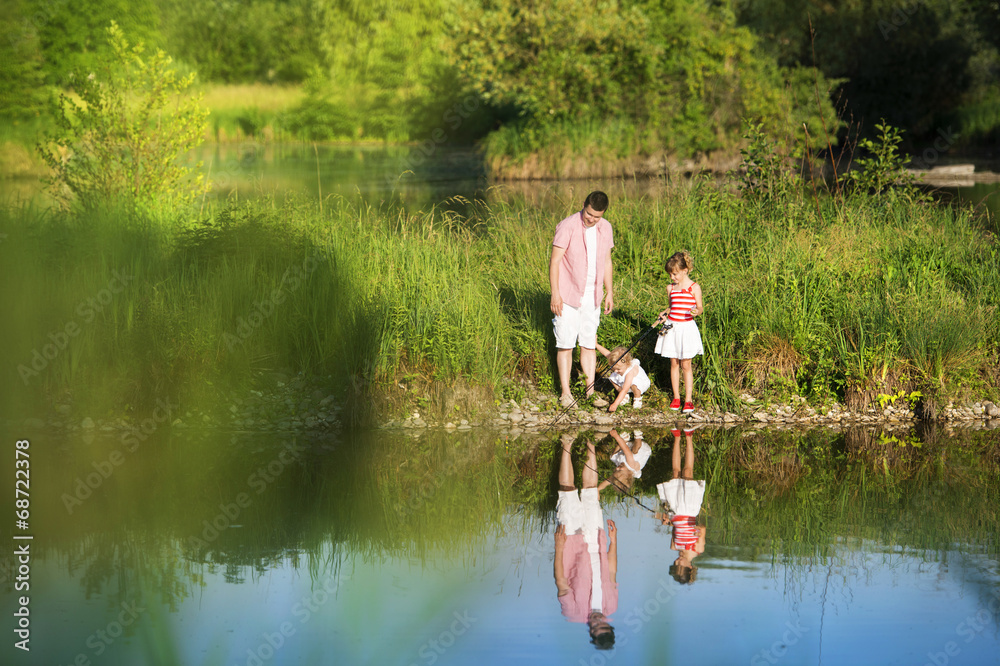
(681, 499)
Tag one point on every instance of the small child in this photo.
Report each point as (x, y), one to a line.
(683, 341)
(629, 459)
(627, 376)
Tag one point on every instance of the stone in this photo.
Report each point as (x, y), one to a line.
(87, 423)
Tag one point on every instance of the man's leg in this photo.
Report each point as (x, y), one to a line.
(566, 465)
(564, 363)
(588, 361)
(589, 473)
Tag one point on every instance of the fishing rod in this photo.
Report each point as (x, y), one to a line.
(611, 364)
(666, 326)
(617, 487)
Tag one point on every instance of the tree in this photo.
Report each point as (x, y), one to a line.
(21, 76)
(120, 141)
(681, 72)
(71, 34)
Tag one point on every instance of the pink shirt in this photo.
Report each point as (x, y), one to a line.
(576, 566)
(573, 267)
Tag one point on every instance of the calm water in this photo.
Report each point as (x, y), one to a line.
(387, 548)
(415, 177)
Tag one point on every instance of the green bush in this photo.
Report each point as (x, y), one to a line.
(121, 141)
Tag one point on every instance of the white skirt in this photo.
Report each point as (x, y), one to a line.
(682, 496)
(682, 341)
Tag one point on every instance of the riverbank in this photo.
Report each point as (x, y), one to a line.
(867, 302)
(283, 403)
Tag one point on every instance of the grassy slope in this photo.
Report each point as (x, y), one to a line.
(827, 299)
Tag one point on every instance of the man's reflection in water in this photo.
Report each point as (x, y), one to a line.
(583, 548)
(682, 497)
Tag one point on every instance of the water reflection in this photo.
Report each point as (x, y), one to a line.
(201, 548)
(586, 557)
(682, 497)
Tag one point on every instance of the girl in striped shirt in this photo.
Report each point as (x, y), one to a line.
(682, 342)
(682, 497)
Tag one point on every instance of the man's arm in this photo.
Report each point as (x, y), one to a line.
(612, 550)
(556, 305)
(609, 299)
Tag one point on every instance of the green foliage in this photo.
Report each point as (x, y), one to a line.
(320, 118)
(383, 66)
(916, 64)
(242, 42)
(22, 90)
(882, 165)
(764, 175)
(679, 77)
(72, 35)
(120, 141)
(911, 398)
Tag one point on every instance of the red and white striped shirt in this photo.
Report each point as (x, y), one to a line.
(685, 536)
(681, 302)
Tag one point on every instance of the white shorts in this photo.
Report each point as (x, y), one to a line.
(682, 341)
(577, 324)
(580, 512)
(682, 496)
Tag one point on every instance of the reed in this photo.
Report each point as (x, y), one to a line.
(844, 301)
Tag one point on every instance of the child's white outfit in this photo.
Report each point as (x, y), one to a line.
(641, 458)
(640, 380)
(683, 340)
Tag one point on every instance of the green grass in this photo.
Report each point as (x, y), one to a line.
(845, 300)
(248, 110)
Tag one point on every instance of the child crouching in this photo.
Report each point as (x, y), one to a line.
(627, 376)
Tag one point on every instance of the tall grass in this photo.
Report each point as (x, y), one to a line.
(248, 110)
(836, 301)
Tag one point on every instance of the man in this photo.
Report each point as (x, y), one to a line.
(586, 557)
(580, 274)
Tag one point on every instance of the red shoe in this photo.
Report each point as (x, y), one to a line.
(675, 432)
(676, 404)
(688, 407)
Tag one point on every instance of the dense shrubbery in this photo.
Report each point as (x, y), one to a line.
(663, 77)
(830, 298)
(679, 77)
(120, 141)
(920, 65)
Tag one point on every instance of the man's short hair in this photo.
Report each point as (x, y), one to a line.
(604, 640)
(597, 200)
